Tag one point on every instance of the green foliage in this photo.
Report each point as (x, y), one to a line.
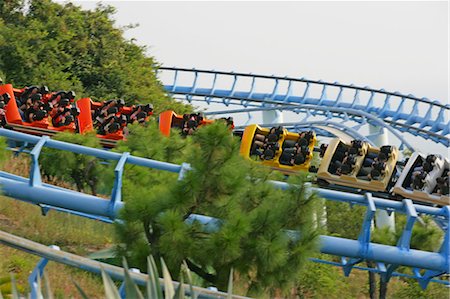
(251, 236)
(344, 220)
(322, 281)
(82, 170)
(425, 234)
(384, 235)
(9, 287)
(411, 289)
(4, 153)
(65, 47)
(148, 142)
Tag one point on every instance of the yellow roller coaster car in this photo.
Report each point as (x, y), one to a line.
(358, 165)
(277, 148)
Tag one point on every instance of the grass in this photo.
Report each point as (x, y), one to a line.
(71, 233)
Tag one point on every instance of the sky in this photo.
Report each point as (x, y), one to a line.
(399, 46)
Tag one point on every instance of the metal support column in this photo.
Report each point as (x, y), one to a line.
(379, 137)
(272, 117)
(35, 276)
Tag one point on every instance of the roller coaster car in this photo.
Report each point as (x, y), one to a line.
(38, 127)
(277, 148)
(86, 124)
(358, 165)
(169, 119)
(425, 178)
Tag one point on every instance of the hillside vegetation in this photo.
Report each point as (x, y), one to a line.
(65, 47)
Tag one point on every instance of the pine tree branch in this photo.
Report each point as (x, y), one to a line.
(190, 211)
(200, 272)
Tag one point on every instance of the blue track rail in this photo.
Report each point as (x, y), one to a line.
(405, 113)
(352, 252)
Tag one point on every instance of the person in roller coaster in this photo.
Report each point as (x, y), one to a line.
(24, 101)
(266, 146)
(114, 123)
(103, 111)
(2, 114)
(110, 125)
(140, 113)
(229, 121)
(420, 172)
(442, 184)
(378, 167)
(54, 98)
(191, 123)
(299, 151)
(344, 158)
(35, 111)
(108, 110)
(110, 118)
(4, 99)
(28, 92)
(64, 114)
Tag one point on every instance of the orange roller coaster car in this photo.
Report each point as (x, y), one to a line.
(82, 120)
(187, 123)
(38, 127)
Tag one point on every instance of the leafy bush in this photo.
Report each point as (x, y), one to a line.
(82, 170)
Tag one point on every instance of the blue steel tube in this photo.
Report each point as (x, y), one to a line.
(383, 253)
(353, 249)
(99, 153)
(57, 197)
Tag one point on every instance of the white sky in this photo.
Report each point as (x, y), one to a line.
(399, 46)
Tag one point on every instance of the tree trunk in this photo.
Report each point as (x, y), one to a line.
(92, 185)
(202, 273)
(372, 281)
(79, 185)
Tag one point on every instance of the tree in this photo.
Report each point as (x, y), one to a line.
(322, 281)
(65, 47)
(250, 236)
(82, 170)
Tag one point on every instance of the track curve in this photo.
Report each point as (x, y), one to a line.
(403, 113)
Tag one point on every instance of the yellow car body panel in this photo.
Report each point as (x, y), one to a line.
(247, 144)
